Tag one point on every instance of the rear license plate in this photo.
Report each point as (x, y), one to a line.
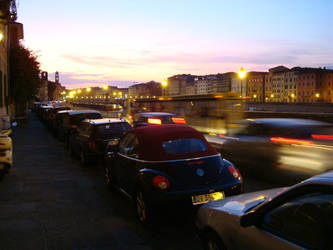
(204, 198)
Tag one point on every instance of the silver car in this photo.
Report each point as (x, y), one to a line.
(296, 217)
(292, 149)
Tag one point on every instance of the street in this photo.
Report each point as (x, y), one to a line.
(49, 201)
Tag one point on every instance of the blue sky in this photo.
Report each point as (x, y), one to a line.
(121, 42)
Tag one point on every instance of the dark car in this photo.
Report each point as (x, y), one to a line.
(279, 149)
(297, 217)
(93, 137)
(167, 164)
(70, 120)
(51, 116)
(150, 118)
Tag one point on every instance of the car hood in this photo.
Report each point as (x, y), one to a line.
(239, 204)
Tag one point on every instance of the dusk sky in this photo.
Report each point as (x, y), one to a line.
(120, 42)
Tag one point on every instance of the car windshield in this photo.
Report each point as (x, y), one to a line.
(184, 146)
(76, 119)
(113, 129)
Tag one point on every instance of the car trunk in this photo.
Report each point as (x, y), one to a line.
(197, 173)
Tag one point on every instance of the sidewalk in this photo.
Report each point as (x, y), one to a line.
(48, 202)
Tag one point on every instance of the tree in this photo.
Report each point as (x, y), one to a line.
(24, 74)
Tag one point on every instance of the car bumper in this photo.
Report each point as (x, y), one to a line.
(185, 197)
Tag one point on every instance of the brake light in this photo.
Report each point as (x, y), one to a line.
(74, 126)
(161, 182)
(221, 135)
(178, 120)
(291, 141)
(322, 137)
(154, 121)
(92, 145)
(234, 172)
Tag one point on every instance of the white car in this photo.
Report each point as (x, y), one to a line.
(296, 217)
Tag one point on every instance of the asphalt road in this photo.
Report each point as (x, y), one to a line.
(48, 201)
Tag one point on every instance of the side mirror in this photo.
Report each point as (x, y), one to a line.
(14, 124)
(248, 219)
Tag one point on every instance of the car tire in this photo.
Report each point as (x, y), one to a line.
(213, 242)
(143, 208)
(108, 178)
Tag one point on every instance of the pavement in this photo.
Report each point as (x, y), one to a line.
(49, 202)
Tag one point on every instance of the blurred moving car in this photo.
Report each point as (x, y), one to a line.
(169, 165)
(293, 149)
(93, 137)
(70, 120)
(150, 118)
(297, 217)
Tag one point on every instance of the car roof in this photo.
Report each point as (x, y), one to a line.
(147, 114)
(77, 112)
(64, 111)
(104, 121)
(288, 122)
(152, 137)
(326, 178)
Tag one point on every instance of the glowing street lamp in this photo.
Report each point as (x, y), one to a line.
(317, 95)
(1, 36)
(88, 89)
(79, 91)
(105, 86)
(164, 85)
(241, 74)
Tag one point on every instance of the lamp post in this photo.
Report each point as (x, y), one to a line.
(241, 74)
(164, 85)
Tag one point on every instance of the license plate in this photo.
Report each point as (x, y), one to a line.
(113, 142)
(204, 198)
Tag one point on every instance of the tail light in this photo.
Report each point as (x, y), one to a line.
(161, 182)
(74, 126)
(221, 135)
(234, 172)
(291, 141)
(92, 145)
(322, 137)
(178, 120)
(154, 121)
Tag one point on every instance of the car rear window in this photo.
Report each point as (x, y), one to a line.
(111, 130)
(184, 146)
(76, 119)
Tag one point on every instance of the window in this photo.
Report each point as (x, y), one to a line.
(184, 146)
(304, 220)
(129, 145)
(111, 130)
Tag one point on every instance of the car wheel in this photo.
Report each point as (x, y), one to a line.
(213, 242)
(143, 209)
(108, 178)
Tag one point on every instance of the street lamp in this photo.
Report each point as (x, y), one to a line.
(79, 91)
(164, 85)
(105, 86)
(1, 36)
(241, 74)
(88, 89)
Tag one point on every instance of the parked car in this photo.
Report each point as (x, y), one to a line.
(150, 118)
(70, 120)
(51, 119)
(167, 165)
(283, 149)
(92, 138)
(297, 217)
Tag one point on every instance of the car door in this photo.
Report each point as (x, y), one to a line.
(127, 160)
(303, 221)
